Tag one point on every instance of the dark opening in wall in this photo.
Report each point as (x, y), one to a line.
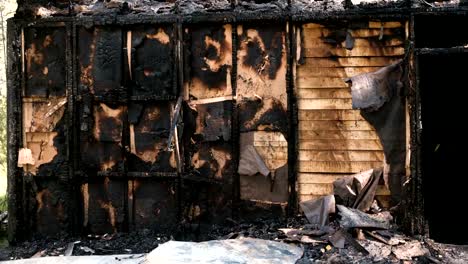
(445, 180)
(441, 31)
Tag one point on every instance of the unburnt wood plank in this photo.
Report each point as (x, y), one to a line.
(356, 33)
(350, 62)
(340, 155)
(304, 177)
(330, 114)
(337, 134)
(324, 93)
(315, 189)
(337, 72)
(311, 104)
(335, 125)
(321, 82)
(389, 41)
(337, 167)
(355, 52)
(340, 144)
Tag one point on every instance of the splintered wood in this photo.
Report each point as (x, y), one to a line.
(334, 140)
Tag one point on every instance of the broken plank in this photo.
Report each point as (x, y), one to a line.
(355, 52)
(392, 41)
(311, 104)
(330, 114)
(342, 155)
(337, 167)
(337, 134)
(340, 144)
(340, 72)
(321, 82)
(335, 125)
(324, 93)
(351, 61)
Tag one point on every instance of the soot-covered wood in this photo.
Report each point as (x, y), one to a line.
(149, 130)
(100, 59)
(261, 77)
(210, 62)
(152, 61)
(45, 61)
(101, 145)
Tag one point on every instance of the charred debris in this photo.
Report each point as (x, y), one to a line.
(174, 116)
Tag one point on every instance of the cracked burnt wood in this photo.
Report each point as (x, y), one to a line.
(149, 130)
(150, 62)
(214, 121)
(103, 205)
(212, 175)
(152, 204)
(100, 62)
(101, 138)
(44, 61)
(210, 63)
(51, 208)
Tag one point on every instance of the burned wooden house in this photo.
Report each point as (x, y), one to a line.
(131, 114)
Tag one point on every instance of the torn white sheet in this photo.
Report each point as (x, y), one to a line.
(251, 162)
(239, 251)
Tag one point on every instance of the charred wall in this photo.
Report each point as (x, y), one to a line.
(94, 115)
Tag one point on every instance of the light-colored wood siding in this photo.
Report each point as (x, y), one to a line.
(334, 140)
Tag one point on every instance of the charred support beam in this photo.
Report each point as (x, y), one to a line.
(235, 131)
(71, 133)
(293, 117)
(15, 179)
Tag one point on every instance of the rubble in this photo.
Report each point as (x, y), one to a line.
(352, 218)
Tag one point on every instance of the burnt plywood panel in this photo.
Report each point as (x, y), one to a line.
(51, 207)
(101, 148)
(214, 121)
(335, 140)
(45, 61)
(152, 61)
(211, 203)
(261, 77)
(213, 160)
(44, 128)
(100, 61)
(149, 132)
(210, 61)
(154, 204)
(103, 206)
